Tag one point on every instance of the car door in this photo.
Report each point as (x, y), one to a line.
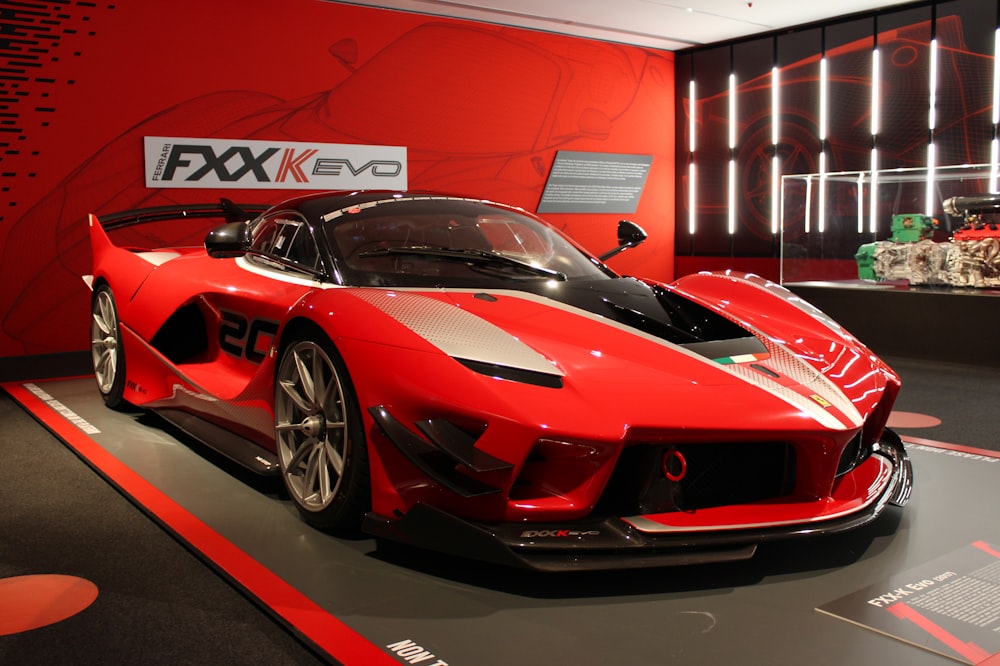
(282, 266)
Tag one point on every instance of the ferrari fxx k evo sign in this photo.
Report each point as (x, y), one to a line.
(248, 164)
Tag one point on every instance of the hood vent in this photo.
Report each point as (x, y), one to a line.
(686, 323)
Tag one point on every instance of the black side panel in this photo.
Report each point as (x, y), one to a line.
(229, 444)
(182, 337)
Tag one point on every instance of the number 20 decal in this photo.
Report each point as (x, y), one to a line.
(246, 338)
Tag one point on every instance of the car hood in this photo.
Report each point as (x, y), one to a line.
(617, 341)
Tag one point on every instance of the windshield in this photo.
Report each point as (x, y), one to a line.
(445, 241)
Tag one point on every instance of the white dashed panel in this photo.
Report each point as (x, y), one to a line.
(786, 363)
(455, 332)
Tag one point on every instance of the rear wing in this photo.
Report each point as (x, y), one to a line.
(131, 265)
(232, 212)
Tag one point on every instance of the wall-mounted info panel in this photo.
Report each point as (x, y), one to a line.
(582, 182)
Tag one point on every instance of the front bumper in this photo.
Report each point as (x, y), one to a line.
(650, 541)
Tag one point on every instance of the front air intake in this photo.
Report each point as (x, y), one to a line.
(685, 477)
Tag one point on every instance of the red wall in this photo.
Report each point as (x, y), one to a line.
(481, 109)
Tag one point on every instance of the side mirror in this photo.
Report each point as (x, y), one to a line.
(228, 240)
(630, 234)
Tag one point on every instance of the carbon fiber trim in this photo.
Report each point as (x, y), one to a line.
(434, 460)
(612, 543)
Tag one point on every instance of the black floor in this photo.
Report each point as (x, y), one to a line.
(158, 603)
(161, 604)
(965, 398)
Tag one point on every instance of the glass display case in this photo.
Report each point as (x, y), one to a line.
(907, 226)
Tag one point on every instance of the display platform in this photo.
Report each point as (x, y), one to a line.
(950, 324)
(919, 586)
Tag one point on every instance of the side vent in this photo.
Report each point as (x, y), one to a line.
(182, 336)
(513, 374)
(446, 448)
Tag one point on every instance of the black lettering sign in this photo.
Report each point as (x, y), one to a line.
(218, 163)
(336, 166)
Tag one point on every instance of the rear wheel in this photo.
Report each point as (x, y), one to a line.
(106, 349)
(319, 436)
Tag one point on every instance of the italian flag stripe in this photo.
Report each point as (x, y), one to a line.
(742, 358)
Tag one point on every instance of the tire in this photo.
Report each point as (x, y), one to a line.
(106, 349)
(319, 437)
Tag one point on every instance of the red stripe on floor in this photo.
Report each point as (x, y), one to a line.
(313, 622)
(951, 447)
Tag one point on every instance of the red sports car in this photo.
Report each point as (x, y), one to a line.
(458, 375)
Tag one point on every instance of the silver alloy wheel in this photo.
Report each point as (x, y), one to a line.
(105, 338)
(310, 426)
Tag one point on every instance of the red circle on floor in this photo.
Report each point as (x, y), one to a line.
(29, 602)
(912, 420)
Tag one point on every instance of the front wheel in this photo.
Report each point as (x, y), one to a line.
(319, 436)
(106, 349)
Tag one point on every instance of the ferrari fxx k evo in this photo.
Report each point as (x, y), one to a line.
(458, 375)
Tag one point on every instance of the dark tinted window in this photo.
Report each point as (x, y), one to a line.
(420, 240)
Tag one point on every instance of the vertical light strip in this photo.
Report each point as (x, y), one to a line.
(775, 105)
(996, 77)
(873, 194)
(692, 135)
(932, 106)
(732, 197)
(781, 229)
(821, 200)
(822, 98)
(732, 110)
(732, 153)
(929, 204)
(775, 135)
(994, 148)
(931, 121)
(861, 202)
(775, 192)
(994, 158)
(809, 194)
(823, 83)
(692, 198)
(692, 124)
(876, 89)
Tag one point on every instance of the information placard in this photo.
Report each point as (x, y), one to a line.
(582, 182)
(950, 605)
